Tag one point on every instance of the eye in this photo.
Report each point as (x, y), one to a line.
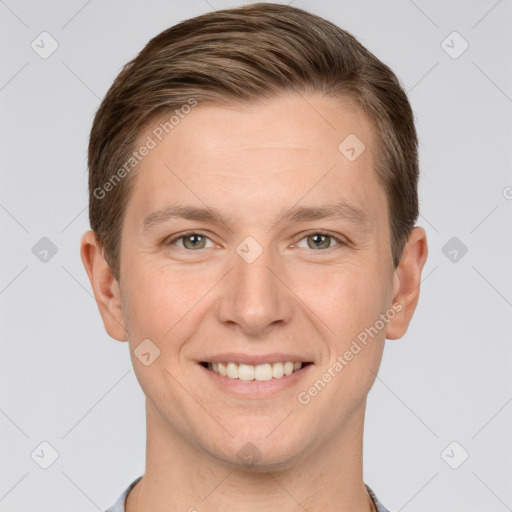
(191, 240)
(321, 240)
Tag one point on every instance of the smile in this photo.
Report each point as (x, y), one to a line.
(260, 372)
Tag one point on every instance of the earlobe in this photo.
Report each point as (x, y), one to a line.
(105, 287)
(406, 282)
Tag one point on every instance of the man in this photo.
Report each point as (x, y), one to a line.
(253, 198)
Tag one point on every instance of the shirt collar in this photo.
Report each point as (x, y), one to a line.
(119, 505)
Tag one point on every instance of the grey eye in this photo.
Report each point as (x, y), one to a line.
(192, 241)
(319, 240)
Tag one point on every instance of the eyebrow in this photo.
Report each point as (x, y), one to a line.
(340, 210)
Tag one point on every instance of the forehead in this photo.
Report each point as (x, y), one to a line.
(274, 153)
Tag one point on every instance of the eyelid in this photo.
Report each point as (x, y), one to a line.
(173, 238)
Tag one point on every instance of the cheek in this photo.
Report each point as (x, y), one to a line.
(160, 307)
(346, 297)
(162, 302)
(353, 298)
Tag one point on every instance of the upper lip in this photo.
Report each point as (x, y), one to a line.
(254, 359)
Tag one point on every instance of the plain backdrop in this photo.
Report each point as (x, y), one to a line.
(444, 392)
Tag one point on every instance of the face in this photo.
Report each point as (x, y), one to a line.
(228, 256)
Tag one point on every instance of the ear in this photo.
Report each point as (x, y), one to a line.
(105, 287)
(406, 283)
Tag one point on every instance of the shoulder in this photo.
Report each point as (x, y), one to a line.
(118, 506)
(379, 506)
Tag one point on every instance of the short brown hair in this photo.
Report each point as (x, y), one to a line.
(244, 55)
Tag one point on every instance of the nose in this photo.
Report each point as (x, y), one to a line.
(254, 296)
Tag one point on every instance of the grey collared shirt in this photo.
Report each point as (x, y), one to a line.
(118, 506)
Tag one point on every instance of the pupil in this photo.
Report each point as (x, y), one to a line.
(317, 240)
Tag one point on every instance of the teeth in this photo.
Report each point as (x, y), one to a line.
(277, 370)
(232, 370)
(288, 368)
(246, 371)
(265, 371)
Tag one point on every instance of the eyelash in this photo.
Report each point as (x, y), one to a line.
(171, 241)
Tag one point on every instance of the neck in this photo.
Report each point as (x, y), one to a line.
(180, 476)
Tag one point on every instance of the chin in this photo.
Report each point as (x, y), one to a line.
(259, 453)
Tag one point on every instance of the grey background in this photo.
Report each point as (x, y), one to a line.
(64, 381)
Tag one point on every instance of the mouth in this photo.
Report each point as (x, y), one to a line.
(259, 372)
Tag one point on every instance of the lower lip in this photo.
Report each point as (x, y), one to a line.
(256, 388)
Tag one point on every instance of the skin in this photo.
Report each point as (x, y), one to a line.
(250, 163)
